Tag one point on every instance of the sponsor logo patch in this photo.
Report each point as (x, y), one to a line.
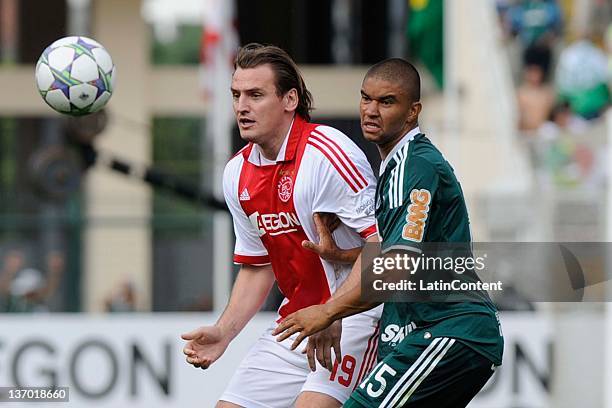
(418, 211)
(274, 224)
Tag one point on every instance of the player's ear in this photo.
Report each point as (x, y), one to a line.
(415, 111)
(291, 100)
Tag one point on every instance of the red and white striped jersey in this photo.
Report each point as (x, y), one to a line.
(318, 169)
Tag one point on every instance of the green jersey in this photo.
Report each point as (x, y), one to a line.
(419, 200)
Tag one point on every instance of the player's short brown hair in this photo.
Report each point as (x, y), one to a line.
(287, 73)
(399, 71)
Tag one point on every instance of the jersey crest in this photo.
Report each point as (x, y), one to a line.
(285, 188)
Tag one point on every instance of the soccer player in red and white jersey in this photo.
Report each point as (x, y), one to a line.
(290, 170)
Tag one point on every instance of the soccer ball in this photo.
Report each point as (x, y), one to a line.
(75, 75)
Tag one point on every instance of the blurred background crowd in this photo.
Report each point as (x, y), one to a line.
(559, 58)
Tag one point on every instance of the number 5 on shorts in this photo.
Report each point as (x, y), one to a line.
(379, 378)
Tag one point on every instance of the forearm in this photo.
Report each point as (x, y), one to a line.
(354, 278)
(347, 304)
(250, 290)
(346, 301)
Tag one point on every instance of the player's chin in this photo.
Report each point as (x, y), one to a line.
(248, 136)
(372, 136)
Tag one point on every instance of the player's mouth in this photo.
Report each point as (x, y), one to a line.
(370, 127)
(245, 123)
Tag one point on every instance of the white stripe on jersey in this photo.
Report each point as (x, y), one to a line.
(419, 370)
(425, 374)
(396, 181)
(401, 177)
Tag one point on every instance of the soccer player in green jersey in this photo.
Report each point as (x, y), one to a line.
(430, 354)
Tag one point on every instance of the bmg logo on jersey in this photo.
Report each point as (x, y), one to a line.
(285, 188)
(274, 224)
(417, 215)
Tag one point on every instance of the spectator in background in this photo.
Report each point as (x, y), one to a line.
(535, 22)
(582, 78)
(535, 96)
(123, 300)
(25, 290)
(562, 121)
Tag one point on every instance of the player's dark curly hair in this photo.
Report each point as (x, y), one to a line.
(287, 73)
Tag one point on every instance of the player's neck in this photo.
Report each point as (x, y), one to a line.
(270, 148)
(385, 149)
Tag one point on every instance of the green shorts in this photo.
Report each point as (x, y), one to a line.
(424, 372)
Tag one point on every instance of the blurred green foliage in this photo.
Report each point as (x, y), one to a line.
(177, 150)
(184, 50)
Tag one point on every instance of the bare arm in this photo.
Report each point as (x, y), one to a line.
(252, 286)
(206, 344)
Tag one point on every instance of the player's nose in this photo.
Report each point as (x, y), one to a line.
(370, 109)
(242, 104)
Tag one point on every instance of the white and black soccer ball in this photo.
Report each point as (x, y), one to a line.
(75, 75)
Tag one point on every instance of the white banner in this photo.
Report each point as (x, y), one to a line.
(136, 360)
(117, 360)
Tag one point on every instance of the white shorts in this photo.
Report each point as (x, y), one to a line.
(273, 376)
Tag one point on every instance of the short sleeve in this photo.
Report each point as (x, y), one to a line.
(345, 182)
(249, 249)
(420, 183)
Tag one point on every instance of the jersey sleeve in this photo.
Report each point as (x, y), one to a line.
(249, 249)
(345, 182)
(419, 186)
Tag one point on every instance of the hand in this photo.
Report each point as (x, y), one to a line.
(321, 343)
(307, 321)
(327, 249)
(204, 346)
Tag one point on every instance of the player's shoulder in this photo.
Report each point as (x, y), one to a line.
(423, 151)
(330, 145)
(234, 164)
(333, 135)
(333, 154)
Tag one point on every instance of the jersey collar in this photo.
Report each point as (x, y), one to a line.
(405, 140)
(288, 148)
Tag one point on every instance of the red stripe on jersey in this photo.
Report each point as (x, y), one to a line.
(344, 176)
(372, 359)
(368, 232)
(242, 151)
(251, 260)
(325, 142)
(365, 362)
(350, 162)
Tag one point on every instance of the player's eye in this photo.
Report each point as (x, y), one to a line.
(365, 98)
(235, 95)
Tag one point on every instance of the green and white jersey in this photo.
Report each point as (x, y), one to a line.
(419, 200)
